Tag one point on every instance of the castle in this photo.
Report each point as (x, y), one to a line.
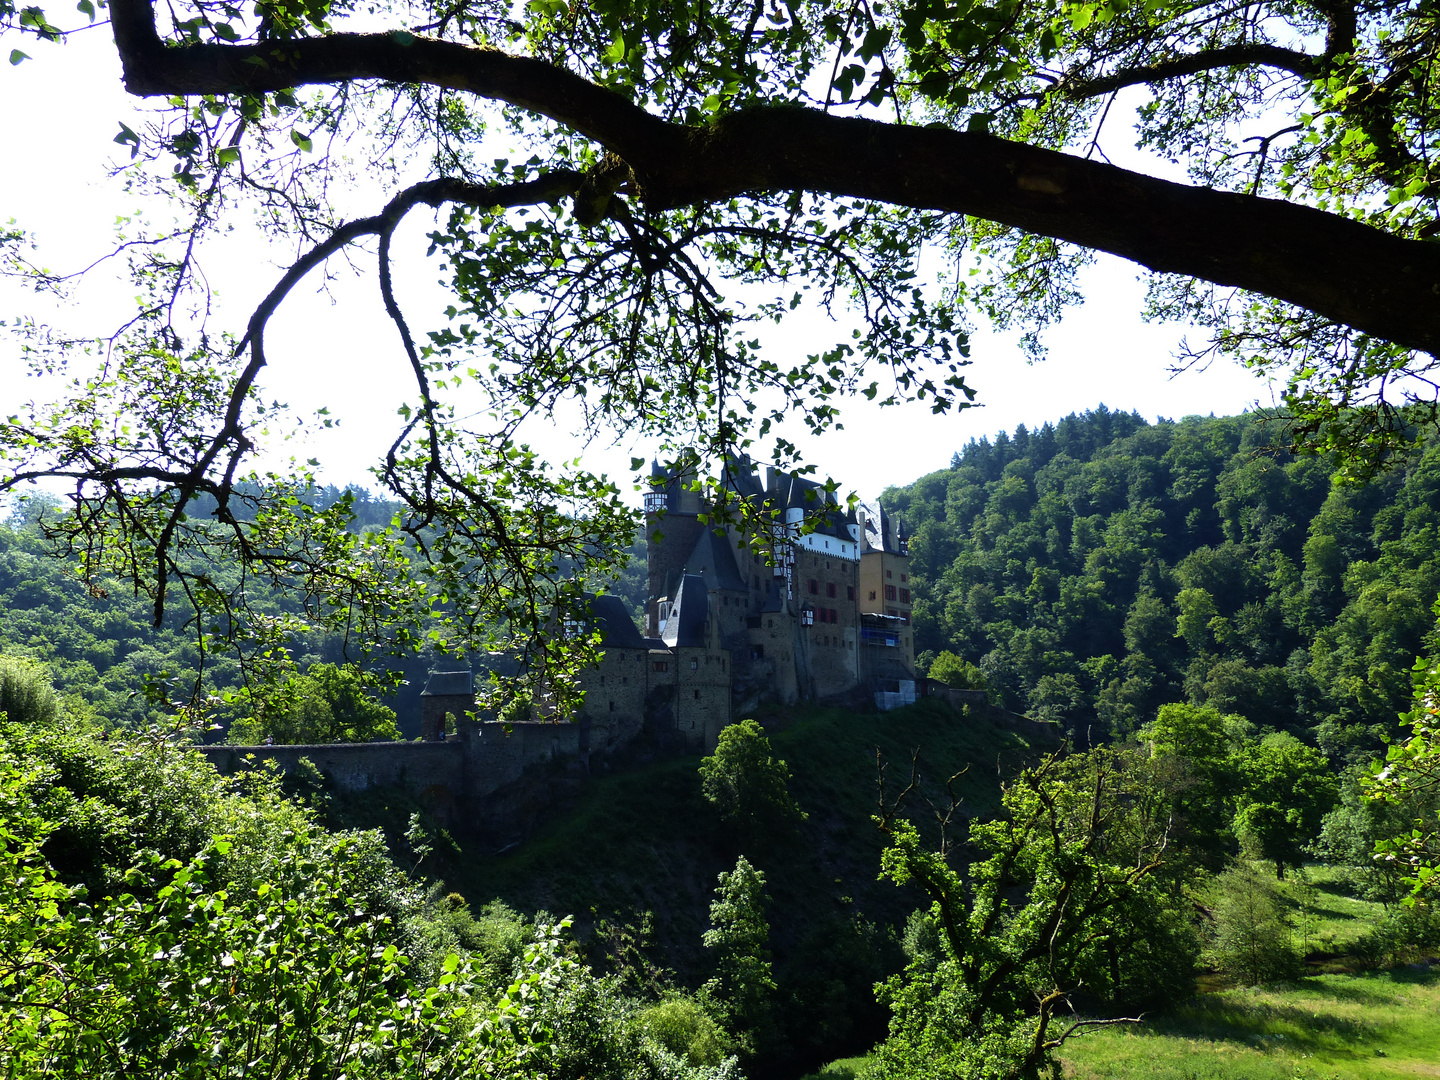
(818, 609)
(734, 620)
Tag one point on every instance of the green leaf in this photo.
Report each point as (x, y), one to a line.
(16, 56)
(85, 7)
(302, 141)
(228, 155)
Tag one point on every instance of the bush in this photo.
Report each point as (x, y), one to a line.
(1249, 939)
(683, 1027)
(26, 696)
(1403, 935)
(956, 673)
(597, 1034)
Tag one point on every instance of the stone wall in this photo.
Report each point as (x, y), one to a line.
(615, 698)
(830, 663)
(415, 766)
(454, 779)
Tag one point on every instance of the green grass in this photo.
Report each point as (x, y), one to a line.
(1335, 919)
(1326, 1027)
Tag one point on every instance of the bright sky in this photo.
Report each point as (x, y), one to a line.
(62, 109)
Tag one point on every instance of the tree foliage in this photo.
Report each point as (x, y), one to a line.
(746, 783)
(663, 156)
(739, 937)
(1249, 938)
(26, 693)
(327, 704)
(1082, 842)
(1409, 781)
(1101, 567)
(1286, 789)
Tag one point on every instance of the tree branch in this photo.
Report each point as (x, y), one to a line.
(1345, 271)
(1246, 55)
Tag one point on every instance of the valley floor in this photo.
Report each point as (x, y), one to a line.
(1326, 1027)
(1372, 1026)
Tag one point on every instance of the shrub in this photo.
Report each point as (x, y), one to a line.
(26, 696)
(1249, 939)
(1404, 934)
(956, 673)
(683, 1027)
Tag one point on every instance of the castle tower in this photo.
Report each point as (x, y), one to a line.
(446, 692)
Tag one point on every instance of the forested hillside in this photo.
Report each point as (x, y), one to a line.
(1101, 566)
(100, 648)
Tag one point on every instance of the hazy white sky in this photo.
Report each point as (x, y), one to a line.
(62, 109)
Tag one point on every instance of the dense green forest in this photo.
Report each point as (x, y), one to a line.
(1099, 567)
(1227, 631)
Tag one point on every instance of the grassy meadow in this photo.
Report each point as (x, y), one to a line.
(1371, 1026)
(1326, 1027)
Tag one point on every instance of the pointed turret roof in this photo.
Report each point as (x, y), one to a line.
(689, 614)
(713, 560)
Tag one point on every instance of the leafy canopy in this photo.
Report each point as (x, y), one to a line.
(746, 783)
(663, 159)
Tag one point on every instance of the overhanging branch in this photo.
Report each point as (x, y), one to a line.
(1345, 271)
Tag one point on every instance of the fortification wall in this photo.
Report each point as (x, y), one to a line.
(415, 766)
(457, 774)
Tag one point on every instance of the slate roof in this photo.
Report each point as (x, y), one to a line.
(614, 623)
(448, 684)
(689, 614)
(713, 560)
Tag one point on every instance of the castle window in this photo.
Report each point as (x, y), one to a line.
(872, 594)
(694, 665)
(757, 652)
(814, 587)
(849, 592)
(903, 578)
(697, 698)
(602, 680)
(888, 574)
(661, 665)
(612, 706)
(889, 592)
(829, 588)
(625, 679)
(904, 596)
(722, 665)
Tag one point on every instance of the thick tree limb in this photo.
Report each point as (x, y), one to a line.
(1345, 271)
